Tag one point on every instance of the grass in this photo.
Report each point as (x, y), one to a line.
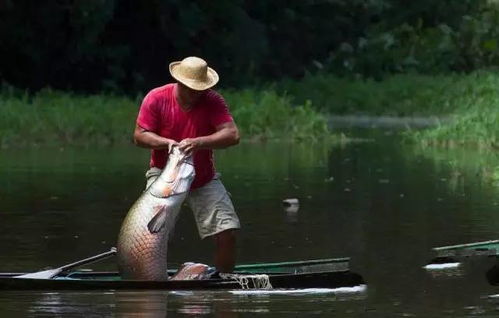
(471, 101)
(262, 114)
(54, 118)
(288, 110)
(475, 116)
(477, 127)
(61, 118)
(397, 95)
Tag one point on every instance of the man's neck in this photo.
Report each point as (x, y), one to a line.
(182, 103)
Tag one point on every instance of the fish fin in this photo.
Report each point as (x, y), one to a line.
(184, 179)
(158, 221)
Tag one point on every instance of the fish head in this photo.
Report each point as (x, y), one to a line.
(177, 175)
(176, 156)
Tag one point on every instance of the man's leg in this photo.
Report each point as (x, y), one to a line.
(215, 217)
(225, 253)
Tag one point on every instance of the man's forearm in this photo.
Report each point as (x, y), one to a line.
(221, 139)
(148, 139)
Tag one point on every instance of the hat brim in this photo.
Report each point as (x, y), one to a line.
(211, 78)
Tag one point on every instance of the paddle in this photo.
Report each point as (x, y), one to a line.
(50, 273)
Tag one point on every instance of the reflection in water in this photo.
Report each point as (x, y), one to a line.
(356, 292)
(93, 304)
(159, 304)
(203, 303)
(447, 269)
(493, 275)
(291, 215)
(148, 304)
(291, 207)
(144, 304)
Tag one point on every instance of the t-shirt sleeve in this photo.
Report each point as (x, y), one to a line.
(219, 110)
(148, 117)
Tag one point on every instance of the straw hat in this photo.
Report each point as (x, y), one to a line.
(194, 73)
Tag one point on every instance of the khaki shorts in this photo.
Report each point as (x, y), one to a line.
(211, 205)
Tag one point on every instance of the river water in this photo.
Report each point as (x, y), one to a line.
(379, 201)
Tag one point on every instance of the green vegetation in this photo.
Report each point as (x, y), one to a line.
(54, 118)
(292, 110)
(474, 120)
(477, 126)
(124, 46)
(425, 37)
(397, 95)
(467, 102)
(263, 114)
(377, 57)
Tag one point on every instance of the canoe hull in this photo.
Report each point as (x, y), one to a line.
(94, 282)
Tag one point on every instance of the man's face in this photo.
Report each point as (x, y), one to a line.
(189, 95)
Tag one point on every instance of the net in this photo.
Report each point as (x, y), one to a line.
(256, 281)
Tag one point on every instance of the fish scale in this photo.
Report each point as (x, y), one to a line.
(142, 253)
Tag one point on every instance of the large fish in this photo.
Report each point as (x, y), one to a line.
(144, 234)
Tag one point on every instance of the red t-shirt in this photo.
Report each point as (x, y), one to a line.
(161, 114)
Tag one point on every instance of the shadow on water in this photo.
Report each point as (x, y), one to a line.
(383, 203)
(162, 304)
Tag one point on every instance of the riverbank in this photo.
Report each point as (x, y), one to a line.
(293, 110)
(463, 107)
(60, 118)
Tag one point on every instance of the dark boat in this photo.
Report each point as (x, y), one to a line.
(474, 255)
(321, 273)
(462, 251)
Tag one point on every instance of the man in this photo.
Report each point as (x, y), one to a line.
(190, 115)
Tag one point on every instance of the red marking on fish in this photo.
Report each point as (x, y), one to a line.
(191, 271)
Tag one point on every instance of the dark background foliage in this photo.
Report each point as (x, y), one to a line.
(125, 46)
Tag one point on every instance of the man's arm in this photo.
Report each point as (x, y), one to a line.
(226, 135)
(147, 139)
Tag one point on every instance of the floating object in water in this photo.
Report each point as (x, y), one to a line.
(291, 205)
(289, 202)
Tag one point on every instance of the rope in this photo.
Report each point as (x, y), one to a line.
(258, 281)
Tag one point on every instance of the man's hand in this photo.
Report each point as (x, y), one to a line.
(171, 143)
(189, 145)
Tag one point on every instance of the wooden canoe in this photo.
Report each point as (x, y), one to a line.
(459, 252)
(321, 273)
